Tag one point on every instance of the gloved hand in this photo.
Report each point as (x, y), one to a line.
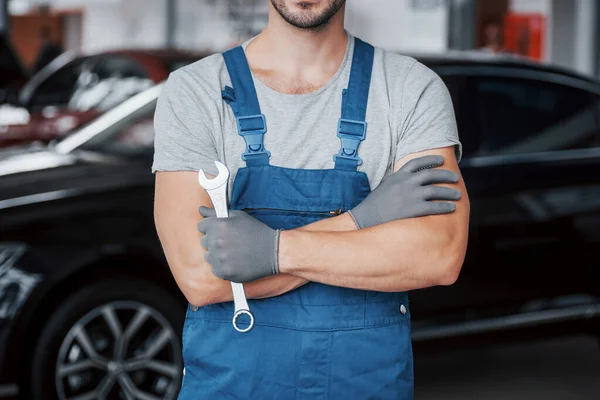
(240, 248)
(409, 193)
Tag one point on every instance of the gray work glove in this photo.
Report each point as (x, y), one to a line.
(408, 193)
(239, 248)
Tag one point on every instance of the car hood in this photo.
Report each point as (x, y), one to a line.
(35, 147)
(24, 161)
(43, 128)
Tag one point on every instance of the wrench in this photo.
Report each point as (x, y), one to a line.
(217, 190)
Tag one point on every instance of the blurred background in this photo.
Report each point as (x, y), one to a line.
(88, 308)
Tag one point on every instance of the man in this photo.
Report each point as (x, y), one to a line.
(326, 261)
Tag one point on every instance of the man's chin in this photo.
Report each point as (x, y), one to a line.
(304, 21)
(310, 15)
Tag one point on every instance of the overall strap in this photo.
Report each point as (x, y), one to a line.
(242, 98)
(352, 127)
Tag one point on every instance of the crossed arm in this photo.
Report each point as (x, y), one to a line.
(396, 256)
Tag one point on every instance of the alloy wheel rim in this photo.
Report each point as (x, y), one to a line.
(122, 349)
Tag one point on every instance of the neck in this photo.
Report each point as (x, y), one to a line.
(283, 47)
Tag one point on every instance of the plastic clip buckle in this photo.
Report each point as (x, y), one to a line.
(351, 138)
(253, 132)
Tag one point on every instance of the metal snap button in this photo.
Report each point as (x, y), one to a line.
(402, 309)
(194, 308)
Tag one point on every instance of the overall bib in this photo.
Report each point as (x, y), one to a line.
(318, 341)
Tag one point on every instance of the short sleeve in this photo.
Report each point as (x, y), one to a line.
(183, 140)
(426, 118)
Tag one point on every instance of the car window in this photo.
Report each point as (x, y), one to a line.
(96, 83)
(459, 88)
(522, 116)
(112, 80)
(118, 67)
(58, 89)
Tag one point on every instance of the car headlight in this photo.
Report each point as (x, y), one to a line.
(10, 254)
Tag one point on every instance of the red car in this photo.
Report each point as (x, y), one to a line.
(73, 90)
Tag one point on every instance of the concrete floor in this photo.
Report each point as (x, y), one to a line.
(565, 369)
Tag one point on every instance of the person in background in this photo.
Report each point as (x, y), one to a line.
(492, 38)
(49, 49)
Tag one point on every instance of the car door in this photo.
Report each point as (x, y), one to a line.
(538, 207)
(531, 167)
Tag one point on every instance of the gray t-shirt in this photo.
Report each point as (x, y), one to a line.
(409, 110)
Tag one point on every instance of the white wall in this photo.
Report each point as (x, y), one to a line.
(527, 6)
(200, 25)
(396, 25)
(563, 33)
(585, 36)
(204, 24)
(570, 40)
(109, 24)
(392, 24)
(73, 29)
(18, 6)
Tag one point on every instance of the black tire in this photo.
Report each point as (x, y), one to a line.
(123, 296)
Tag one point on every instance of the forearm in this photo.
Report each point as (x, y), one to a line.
(215, 290)
(397, 256)
(401, 255)
(283, 283)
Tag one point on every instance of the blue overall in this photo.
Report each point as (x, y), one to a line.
(318, 341)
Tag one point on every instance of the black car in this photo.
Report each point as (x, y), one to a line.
(89, 308)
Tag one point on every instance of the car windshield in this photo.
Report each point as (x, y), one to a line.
(126, 129)
(90, 84)
(96, 84)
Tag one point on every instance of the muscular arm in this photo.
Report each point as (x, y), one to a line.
(177, 198)
(397, 256)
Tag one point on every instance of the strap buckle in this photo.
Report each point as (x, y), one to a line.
(252, 124)
(252, 128)
(351, 133)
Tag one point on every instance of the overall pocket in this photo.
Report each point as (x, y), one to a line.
(380, 365)
(222, 363)
(289, 219)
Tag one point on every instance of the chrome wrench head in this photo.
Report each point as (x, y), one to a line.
(236, 317)
(218, 181)
(217, 189)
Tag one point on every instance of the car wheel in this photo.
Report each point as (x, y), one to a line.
(117, 339)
